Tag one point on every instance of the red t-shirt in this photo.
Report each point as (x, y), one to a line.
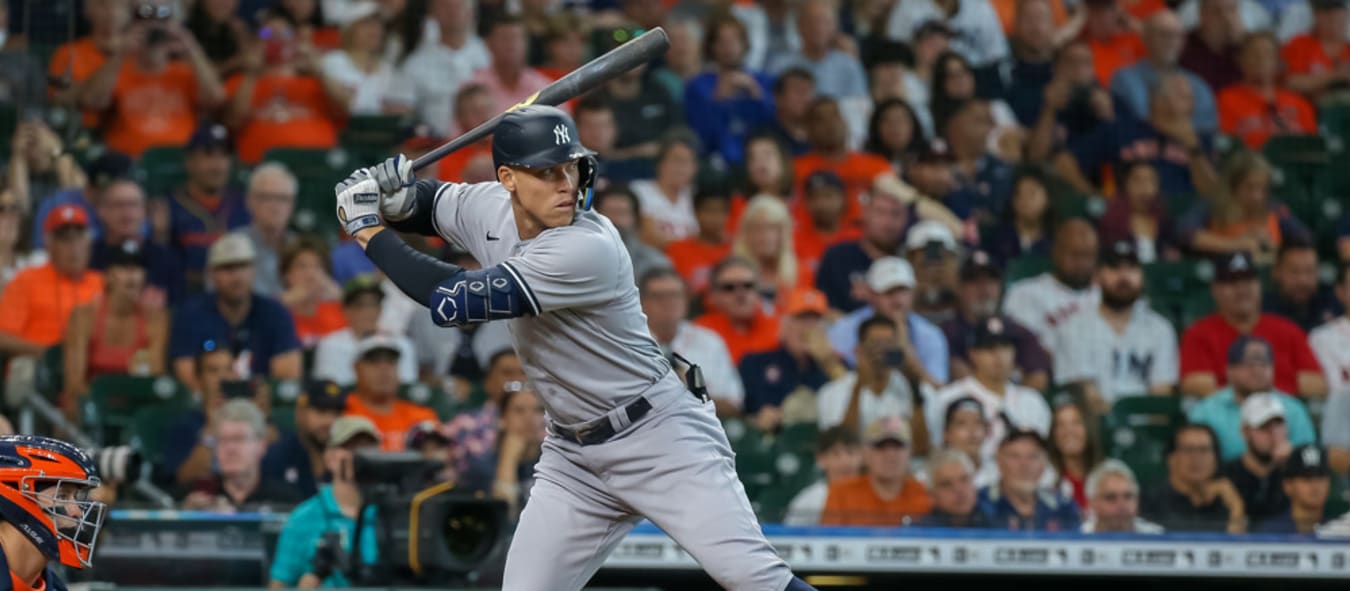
(287, 111)
(1304, 54)
(858, 170)
(693, 259)
(1204, 349)
(1246, 113)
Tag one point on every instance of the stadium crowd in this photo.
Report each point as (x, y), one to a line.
(944, 250)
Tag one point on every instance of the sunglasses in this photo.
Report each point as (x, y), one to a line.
(1115, 497)
(731, 287)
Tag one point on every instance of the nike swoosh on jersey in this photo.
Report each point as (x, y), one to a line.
(491, 237)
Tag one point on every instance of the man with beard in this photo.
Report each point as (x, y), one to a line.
(1250, 369)
(1297, 295)
(1257, 475)
(297, 457)
(1050, 299)
(1120, 348)
(978, 293)
(1237, 302)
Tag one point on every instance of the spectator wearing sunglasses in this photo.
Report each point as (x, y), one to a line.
(736, 311)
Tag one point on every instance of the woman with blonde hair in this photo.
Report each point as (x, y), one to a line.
(1242, 217)
(764, 236)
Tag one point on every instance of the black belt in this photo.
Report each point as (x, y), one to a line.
(601, 430)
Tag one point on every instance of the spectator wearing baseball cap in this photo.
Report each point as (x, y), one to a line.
(1007, 406)
(977, 297)
(1048, 300)
(1237, 298)
(890, 284)
(205, 206)
(820, 219)
(38, 301)
(876, 388)
(100, 173)
(118, 333)
(1307, 485)
(362, 297)
(1250, 361)
(838, 456)
(1256, 473)
(1017, 501)
(257, 329)
(375, 393)
(1121, 347)
(935, 256)
(296, 457)
(842, 266)
(887, 494)
(802, 362)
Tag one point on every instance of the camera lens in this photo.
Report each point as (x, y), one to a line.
(470, 531)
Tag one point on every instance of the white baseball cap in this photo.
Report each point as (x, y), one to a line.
(377, 342)
(929, 231)
(231, 249)
(1260, 409)
(887, 273)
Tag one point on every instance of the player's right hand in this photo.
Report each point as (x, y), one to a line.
(395, 178)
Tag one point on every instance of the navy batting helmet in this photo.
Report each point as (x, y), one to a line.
(540, 136)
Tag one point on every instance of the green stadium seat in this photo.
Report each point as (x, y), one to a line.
(283, 418)
(799, 438)
(150, 429)
(1027, 265)
(164, 170)
(1334, 120)
(112, 403)
(1074, 205)
(318, 171)
(50, 377)
(1137, 430)
(284, 393)
(372, 138)
(756, 459)
(435, 398)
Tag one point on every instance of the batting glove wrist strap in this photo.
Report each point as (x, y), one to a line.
(358, 202)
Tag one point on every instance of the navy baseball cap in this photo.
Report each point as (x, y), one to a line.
(1307, 461)
(821, 179)
(325, 395)
(1327, 4)
(127, 254)
(992, 332)
(1120, 253)
(1237, 352)
(210, 136)
(108, 168)
(979, 265)
(1234, 266)
(1015, 434)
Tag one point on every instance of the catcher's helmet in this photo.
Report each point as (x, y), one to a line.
(44, 488)
(540, 136)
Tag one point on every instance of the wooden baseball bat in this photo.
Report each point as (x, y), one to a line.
(602, 69)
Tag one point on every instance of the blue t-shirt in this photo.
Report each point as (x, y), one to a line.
(266, 332)
(305, 528)
(986, 194)
(193, 228)
(1223, 414)
(722, 125)
(350, 260)
(1129, 140)
(840, 266)
(771, 376)
(929, 341)
(1054, 511)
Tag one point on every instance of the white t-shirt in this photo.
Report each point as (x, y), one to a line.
(807, 506)
(1088, 349)
(707, 350)
(832, 401)
(335, 355)
(1042, 303)
(369, 88)
(1330, 342)
(430, 77)
(1024, 407)
(674, 218)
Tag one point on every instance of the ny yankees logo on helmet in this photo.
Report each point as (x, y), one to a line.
(561, 135)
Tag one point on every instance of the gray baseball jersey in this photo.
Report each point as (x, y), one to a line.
(587, 349)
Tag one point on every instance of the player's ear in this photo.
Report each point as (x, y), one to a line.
(507, 178)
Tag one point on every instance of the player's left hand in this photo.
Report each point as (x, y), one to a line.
(395, 176)
(358, 202)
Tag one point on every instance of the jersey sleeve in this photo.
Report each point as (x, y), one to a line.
(461, 212)
(567, 268)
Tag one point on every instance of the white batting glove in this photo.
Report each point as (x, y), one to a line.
(358, 202)
(395, 177)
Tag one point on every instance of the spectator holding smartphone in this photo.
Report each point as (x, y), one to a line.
(875, 389)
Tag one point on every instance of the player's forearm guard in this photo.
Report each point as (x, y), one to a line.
(480, 295)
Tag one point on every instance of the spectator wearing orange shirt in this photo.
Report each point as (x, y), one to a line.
(764, 237)
(311, 295)
(281, 98)
(38, 301)
(888, 494)
(694, 257)
(1258, 108)
(823, 203)
(75, 61)
(147, 94)
(828, 135)
(473, 163)
(375, 395)
(508, 78)
(1115, 44)
(1319, 60)
(736, 311)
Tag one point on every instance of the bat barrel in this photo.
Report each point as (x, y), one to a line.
(589, 76)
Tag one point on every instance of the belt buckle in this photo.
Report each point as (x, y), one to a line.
(582, 433)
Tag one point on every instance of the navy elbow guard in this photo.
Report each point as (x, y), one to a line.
(480, 295)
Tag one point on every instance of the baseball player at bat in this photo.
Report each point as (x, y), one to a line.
(626, 438)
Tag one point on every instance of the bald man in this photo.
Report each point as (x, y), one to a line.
(1048, 300)
(1164, 37)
